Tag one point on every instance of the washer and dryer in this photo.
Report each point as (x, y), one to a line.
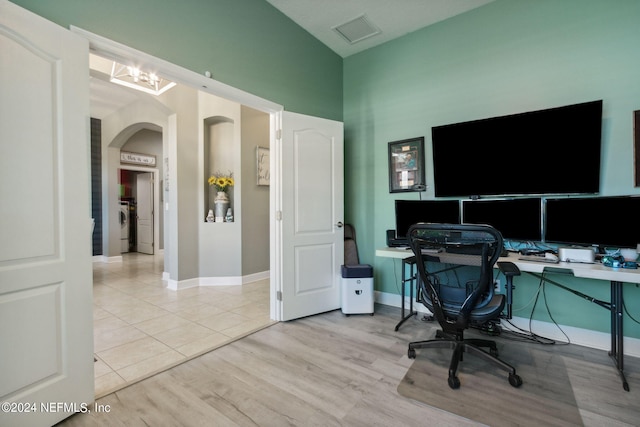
(124, 226)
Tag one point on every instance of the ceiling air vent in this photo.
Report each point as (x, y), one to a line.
(357, 29)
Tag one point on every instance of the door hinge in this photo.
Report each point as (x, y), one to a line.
(279, 134)
(278, 215)
(279, 295)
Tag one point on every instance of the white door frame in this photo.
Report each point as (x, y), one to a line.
(156, 200)
(118, 52)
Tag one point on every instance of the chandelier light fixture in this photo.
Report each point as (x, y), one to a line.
(135, 78)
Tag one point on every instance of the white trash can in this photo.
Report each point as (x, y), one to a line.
(357, 289)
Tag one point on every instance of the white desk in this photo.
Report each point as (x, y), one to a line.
(587, 271)
(615, 276)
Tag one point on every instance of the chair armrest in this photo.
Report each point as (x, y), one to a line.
(508, 268)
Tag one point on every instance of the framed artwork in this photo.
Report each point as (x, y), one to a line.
(636, 145)
(137, 158)
(262, 165)
(406, 165)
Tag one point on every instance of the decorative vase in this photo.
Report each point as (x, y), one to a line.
(210, 217)
(229, 217)
(221, 204)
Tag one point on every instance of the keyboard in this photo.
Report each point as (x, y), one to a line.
(432, 250)
(537, 258)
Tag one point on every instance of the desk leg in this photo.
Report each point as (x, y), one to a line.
(617, 335)
(412, 279)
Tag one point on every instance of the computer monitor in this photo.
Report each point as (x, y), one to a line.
(409, 212)
(515, 219)
(603, 221)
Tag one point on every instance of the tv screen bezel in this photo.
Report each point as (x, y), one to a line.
(493, 157)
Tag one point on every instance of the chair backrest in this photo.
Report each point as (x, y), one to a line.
(456, 244)
(350, 246)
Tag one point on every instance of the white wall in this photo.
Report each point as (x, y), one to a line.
(196, 252)
(219, 244)
(255, 198)
(117, 128)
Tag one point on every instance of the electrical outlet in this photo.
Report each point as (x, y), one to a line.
(498, 286)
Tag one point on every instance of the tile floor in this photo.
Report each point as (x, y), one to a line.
(142, 328)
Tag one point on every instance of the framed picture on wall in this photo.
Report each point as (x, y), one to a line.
(406, 165)
(262, 165)
(137, 158)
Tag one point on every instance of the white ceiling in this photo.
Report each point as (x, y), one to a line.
(107, 97)
(394, 18)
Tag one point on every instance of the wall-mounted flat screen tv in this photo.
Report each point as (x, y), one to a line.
(409, 212)
(515, 219)
(552, 151)
(613, 221)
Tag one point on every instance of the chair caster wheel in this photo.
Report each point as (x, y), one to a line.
(411, 353)
(515, 380)
(454, 382)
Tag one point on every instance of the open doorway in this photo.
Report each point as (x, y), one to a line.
(139, 218)
(141, 327)
(136, 212)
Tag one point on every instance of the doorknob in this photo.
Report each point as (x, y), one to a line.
(339, 224)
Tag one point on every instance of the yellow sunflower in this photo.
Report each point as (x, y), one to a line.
(220, 181)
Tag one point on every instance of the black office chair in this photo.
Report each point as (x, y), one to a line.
(441, 250)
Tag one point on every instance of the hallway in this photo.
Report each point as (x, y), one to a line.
(142, 328)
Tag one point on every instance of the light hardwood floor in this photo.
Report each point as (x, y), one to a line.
(142, 328)
(332, 370)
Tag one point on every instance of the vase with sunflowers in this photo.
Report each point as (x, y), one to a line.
(221, 182)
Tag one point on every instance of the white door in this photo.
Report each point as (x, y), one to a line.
(144, 213)
(312, 215)
(46, 284)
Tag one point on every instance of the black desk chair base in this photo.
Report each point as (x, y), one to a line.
(461, 346)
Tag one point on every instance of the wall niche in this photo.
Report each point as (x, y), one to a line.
(218, 153)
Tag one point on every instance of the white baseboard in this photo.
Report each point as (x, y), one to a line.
(220, 281)
(214, 281)
(579, 336)
(107, 259)
(118, 258)
(177, 285)
(256, 277)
